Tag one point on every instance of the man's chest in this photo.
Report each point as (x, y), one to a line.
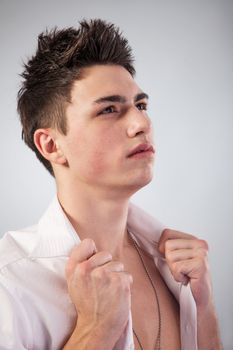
(155, 312)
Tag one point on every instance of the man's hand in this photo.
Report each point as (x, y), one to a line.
(186, 256)
(100, 291)
(187, 259)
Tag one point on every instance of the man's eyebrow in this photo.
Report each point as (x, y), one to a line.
(111, 98)
(141, 96)
(119, 98)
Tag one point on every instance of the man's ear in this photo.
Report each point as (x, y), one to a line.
(46, 143)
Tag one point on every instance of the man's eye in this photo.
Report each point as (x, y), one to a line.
(108, 110)
(142, 106)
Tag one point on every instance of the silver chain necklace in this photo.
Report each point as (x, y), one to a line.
(157, 347)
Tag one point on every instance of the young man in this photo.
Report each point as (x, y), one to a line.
(97, 272)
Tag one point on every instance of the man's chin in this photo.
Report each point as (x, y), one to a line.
(136, 185)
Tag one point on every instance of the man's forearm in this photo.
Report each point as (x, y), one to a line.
(87, 339)
(208, 333)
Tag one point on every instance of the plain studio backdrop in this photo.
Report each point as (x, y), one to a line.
(184, 60)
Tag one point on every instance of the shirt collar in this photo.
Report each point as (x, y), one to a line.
(57, 236)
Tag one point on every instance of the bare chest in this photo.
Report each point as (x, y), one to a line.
(155, 312)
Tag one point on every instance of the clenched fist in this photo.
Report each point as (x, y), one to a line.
(186, 256)
(100, 290)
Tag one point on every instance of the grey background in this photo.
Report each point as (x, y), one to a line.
(183, 53)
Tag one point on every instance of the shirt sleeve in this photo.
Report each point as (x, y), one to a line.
(15, 331)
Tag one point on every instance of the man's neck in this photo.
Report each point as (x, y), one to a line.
(97, 216)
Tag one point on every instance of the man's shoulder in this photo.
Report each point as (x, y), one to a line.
(16, 245)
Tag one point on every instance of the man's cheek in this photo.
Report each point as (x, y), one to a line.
(97, 164)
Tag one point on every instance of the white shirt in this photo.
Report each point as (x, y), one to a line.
(36, 311)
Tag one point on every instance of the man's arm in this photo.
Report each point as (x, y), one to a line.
(100, 291)
(187, 259)
(208, 329)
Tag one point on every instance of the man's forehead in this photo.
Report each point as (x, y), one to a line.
(99, 82)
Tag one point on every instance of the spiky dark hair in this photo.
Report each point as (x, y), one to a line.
(49, 75)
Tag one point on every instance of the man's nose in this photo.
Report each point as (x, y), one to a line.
(139, 122)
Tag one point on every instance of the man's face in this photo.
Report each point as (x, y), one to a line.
(107, 119)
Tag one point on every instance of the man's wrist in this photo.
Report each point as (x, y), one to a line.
(208, 328)
(90, 338)
(206, 310)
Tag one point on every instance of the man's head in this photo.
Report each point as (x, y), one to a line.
(59, 61)
(82, 111)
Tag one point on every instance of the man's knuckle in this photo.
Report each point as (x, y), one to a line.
(204, 244)
(205, 264)
(166, 234)
(175, 267)
(120, 266)
(82, 269)
(98, 274)
(168, 245)
(169, 255)
(178, 267)
(204, 253)
(126, 282)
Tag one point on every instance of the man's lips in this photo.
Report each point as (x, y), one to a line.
(143, 147)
